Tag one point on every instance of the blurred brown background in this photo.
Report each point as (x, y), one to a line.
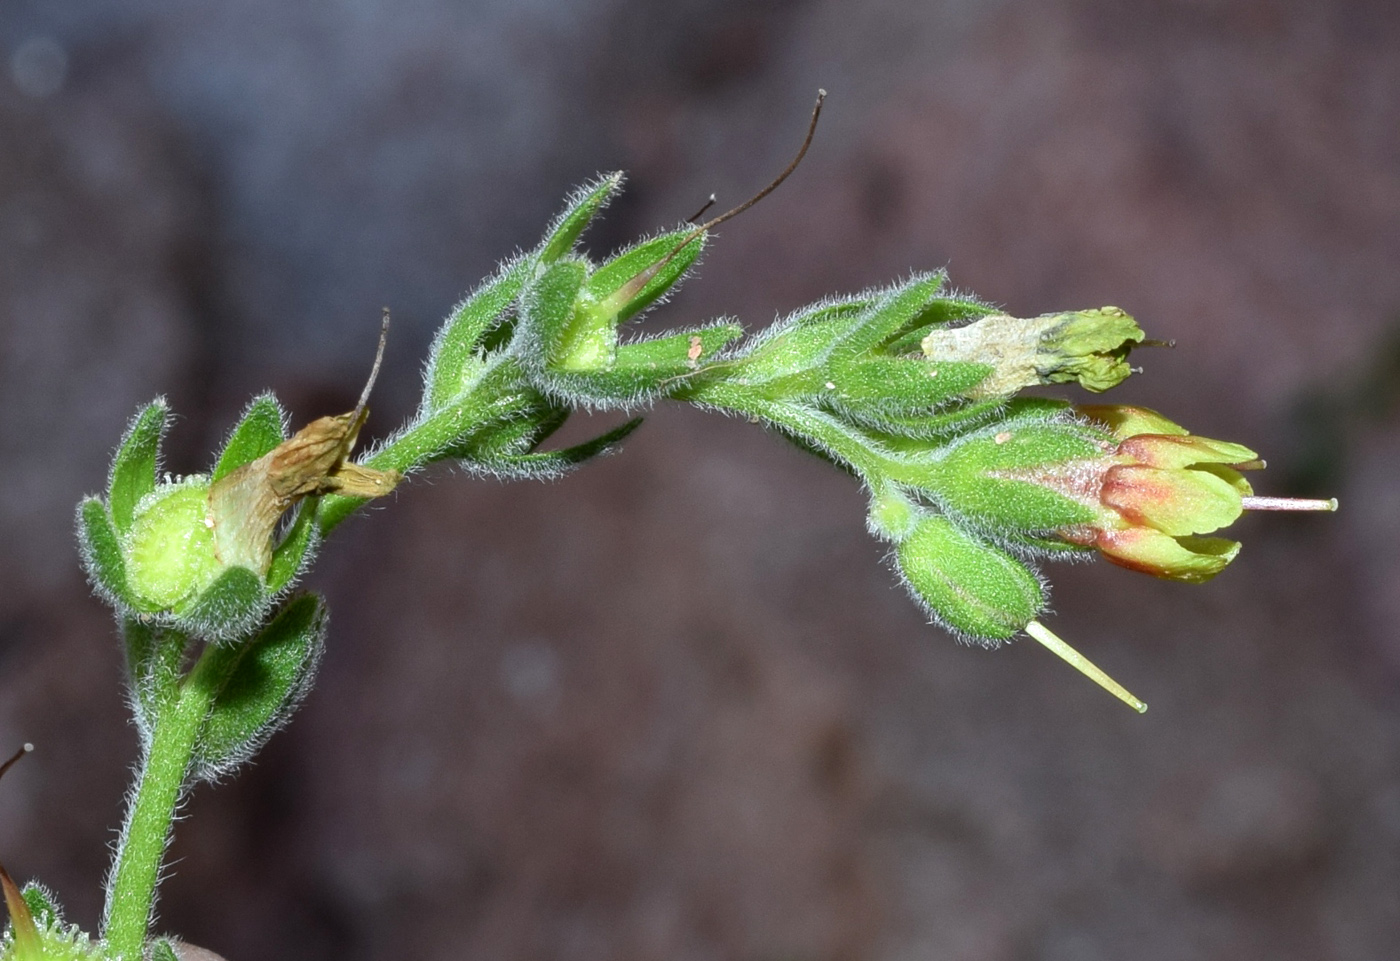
(675, 707)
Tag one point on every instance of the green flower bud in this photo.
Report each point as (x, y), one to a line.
(169, 551)
(972, 588)
(893, 516)
(1089, 347)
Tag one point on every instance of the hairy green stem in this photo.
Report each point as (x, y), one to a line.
(497, 395)
(830, 433)
(131, 890)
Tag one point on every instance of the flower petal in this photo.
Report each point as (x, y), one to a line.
(1158, 450)
(1174, 502)
(1124, 421)
(1190, 559)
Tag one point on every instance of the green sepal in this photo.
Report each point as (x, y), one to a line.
(644, 369)
(102, 553)
(547, 465)
(228, 608)
(893, 314)
(974, 589)
(57, 940)
(42, 905)
(605, 389)
(797, 344)
(261, 428)
(918, 431)
(134, 467)
(898, 385)
(669, 356)
(582, 206)
(566, 339)
(163, 950)
(1022, 442)
(1003, 476)
(605, 285)
(296, 549)
(941, 312)
(1049, 547)
(259, 683)
(454, 360)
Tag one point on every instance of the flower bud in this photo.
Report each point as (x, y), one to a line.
(1160, 487)
(170, 552)
(1126, 481)
(972, 588)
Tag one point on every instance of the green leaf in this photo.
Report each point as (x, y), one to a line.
(260, 683)
(102, 552)
(582, 206)
(296, 548)
(163, 950)
(454, 355)
(671, 253)
(555, 463)
(259, 431)
(228, 607)
(134, 467)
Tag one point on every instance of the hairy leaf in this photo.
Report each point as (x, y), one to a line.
(260, 683)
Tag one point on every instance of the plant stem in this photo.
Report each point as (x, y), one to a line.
(131, 889)
(829, 432)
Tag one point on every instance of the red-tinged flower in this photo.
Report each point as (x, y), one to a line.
(1163, 488)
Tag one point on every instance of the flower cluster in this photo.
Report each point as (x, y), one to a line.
(914, 388)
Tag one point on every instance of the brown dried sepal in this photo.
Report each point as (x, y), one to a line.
(26, 933)
(246, 505)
